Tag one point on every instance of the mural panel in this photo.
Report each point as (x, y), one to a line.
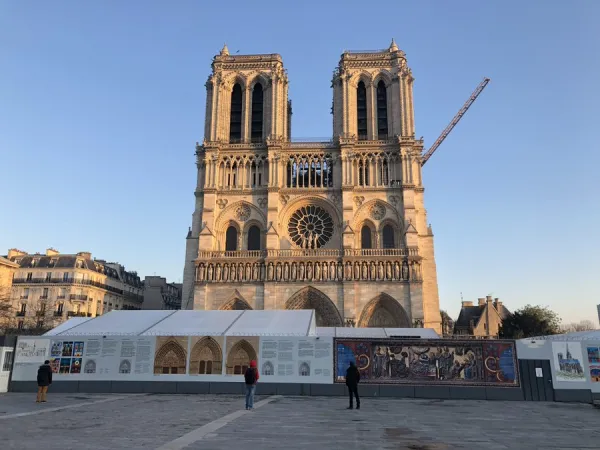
(392, 361)
(240, 351)
(594, 363)
(206, 355)
(171, 356)
(568, 361)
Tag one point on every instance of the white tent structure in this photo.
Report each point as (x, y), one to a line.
(295, 323)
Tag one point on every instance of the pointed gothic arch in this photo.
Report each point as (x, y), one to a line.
(206, 357)
(326, 313)
(239, 357)
(235, 304)
(383, 311)
(170, 359)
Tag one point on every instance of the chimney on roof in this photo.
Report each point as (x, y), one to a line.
(497, 304)
(52, 252)
(465, 303)
(481, 301)
(12, 252)
(85, 255)
(489, 299)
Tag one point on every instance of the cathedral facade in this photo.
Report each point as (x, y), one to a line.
(336, 226)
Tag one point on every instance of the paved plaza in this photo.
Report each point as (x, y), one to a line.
(170, 422)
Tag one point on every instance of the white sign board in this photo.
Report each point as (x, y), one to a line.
(296, 359)
(538, 372)
(31, 351)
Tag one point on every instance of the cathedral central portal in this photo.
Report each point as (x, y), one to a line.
(337, 226)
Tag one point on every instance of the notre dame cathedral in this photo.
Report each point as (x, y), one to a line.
(337, 226)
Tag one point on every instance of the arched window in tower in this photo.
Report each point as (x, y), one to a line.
(365, 237)
(231, 239)
(235, 118)
(256, 133)
(382, 122)
(388, 237)
(361, 111)
(254, 238)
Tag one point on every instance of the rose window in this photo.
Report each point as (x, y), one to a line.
(310, 227)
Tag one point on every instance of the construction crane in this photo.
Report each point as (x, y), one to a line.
(455, 120)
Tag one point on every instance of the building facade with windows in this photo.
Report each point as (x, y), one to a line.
(338, 226)
(483, 320)
(52, 287)
(158, 294)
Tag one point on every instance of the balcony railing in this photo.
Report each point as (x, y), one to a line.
(78, 314)
(58, 313)
(24, 297)
(78, 297)
(308, 253)
(43, 297)
(61, 296)
(76, 281)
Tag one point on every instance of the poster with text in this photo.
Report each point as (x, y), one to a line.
(32, 351)
(568, 361)
(296, 359)
(206, 355)
(594, 363)
(170, 357)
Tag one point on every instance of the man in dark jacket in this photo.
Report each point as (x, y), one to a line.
(251, 377)
(44, 379)
(352, 379)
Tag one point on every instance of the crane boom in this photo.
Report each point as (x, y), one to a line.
(455, 120)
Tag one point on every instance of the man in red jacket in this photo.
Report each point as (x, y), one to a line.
(251, 377)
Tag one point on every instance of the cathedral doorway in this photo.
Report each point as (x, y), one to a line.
(383, 312)
(239, 357)
(206, 357)
(170, 359)
(326, 313)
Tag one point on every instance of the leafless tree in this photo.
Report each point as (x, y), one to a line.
(584, 325)
(7, 312)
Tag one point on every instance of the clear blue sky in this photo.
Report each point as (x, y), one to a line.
(101, 104)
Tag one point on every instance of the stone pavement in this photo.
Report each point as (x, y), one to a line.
(172, 422)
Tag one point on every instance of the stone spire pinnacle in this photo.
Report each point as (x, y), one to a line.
(393, 46)
(224, 50)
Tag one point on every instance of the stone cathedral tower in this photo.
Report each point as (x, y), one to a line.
(336, 226)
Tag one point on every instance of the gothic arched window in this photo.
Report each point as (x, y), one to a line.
(388, 237)
(361, 111)
(365, 237)
(231, 239)
(382, 122)
(254, 238)
(256, 133)
(235, 118)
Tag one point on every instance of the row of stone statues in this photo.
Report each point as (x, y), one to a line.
(309, 271)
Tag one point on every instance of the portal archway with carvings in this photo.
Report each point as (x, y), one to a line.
(326, 313)
(383, 311)
(239, 357)
(170, 359)
(235, 304)
(206, 357)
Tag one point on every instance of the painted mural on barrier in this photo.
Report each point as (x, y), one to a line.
(389, 361)
(594, 363)
(170, 357)
(206, 355)
(568, 361)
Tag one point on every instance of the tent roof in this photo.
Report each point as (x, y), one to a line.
(589, 335)
(343, 332)
(194, 323)
(73, 322)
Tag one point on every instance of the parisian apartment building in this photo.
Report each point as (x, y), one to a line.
(52, 287)
(160, 294)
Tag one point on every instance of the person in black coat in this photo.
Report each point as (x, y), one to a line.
(352, 379)
(44, 379)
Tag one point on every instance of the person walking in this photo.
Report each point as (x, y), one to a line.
(352, 379)
(251, 376)
(44, 379)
